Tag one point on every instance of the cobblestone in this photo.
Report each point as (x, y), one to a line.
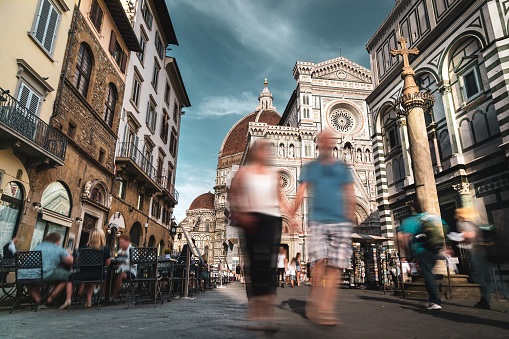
(220, 313)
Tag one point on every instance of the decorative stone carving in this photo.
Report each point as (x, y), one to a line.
(462, 188)
(86, 191)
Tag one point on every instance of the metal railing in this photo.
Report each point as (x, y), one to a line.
(165, 184)
(129, 150)
(20, 119)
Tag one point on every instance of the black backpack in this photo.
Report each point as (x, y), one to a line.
(430, 236)
(495, 245)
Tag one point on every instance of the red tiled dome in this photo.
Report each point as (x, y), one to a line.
(236, 139)
(205, 201)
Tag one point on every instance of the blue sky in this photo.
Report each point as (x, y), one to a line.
(228, 47)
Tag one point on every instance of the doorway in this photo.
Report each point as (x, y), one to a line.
(89, 223)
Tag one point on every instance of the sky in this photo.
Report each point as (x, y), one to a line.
(228, 47)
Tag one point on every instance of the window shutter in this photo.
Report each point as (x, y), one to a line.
(42, 21)
(154, 121)
(93, 11)
(51, 31)
(99, 17)
(113, 42)
(123, 62)
(28, 99)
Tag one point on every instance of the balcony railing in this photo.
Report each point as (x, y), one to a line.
(18, 118)
(128, 150)
(165, 184)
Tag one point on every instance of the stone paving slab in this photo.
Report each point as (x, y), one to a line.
(220, 313)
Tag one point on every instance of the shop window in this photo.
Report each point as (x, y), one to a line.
(11, 202)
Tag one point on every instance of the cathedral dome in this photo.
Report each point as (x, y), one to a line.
(236, 139)
(205, 201)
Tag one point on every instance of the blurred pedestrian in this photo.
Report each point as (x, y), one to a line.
(331, 210)
(308, 271)
(412, 231)
(125, 269)
(482, 272)
(255, 199)
(414, 266)
(298, 268)
(405, 268)
(292, 272)
(281, 264)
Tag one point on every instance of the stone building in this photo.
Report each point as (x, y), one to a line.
(31, 65)
(146, 155)
(462, 56)
(329, 95)
(200, 224)
(75, 198)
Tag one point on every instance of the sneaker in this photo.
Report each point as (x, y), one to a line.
(433, 306)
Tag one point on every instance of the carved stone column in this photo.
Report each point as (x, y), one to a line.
(464, 193)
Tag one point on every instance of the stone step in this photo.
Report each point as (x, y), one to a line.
(442, 295)
(462, 288)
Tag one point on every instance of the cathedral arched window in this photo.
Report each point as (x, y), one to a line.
(464, 68)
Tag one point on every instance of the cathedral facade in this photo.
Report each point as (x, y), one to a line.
(461, 62)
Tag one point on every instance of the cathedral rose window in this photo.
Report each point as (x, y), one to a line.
(343, 121)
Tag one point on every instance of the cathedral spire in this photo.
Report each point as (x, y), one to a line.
(265, 99)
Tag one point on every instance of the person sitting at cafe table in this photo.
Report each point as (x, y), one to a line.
(96, 240)
(125, 269)
(53, 256)
(9, 252)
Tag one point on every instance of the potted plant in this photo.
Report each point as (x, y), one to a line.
(167, 253)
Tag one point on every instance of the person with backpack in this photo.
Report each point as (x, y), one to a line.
(422, 232)
(479, 245)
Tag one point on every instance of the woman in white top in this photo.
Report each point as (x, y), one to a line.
(281, 266)
(255, 197)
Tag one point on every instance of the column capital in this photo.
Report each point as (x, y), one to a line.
(462, 188)
(401, 122)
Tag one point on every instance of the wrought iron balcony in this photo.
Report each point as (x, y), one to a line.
(167, 187)
(136, 163)
(26, 131)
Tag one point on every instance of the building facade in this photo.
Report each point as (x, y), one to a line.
(32, 56)
(462, 50)
(146, 155)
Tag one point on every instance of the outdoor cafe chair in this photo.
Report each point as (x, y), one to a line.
(145, 260)
(89, 258)
(165, 268)
(29, 262)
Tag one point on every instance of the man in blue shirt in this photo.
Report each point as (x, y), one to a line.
(331, 210)
(409, 229)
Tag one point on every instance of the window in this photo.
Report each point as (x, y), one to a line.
(139, 205)
(56, 198)
(164, 127)
(151, 117)
(147, 15)
(117, 52)
(143, 43)
(83, 70)
(471, 83)
(175, 112)
(11, 205)
(96, 15)
(28, 99)
(101, 156)
(71, 130)
(173, 142)
(45, 29)
(155, 75)
(393, 139)
(156, 209)
(135, 95)
(159, 46)
(122, 185)
(167, 93)
(109, 106)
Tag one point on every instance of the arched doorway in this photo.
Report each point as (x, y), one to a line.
(151, 241)
(135, 234)
(11, 203)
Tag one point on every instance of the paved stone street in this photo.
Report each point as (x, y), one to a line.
(220, 313)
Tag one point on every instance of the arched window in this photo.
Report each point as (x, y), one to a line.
(390, 174)
(205, 253)
(445, 145)
(467, 139)
(493, 124)
(56, 198)
(151, 241)
(109, 105)
(135, 234)
(83, 69)
(10, 205)
(395, 168)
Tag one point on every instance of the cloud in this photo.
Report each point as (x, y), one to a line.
(225, 105)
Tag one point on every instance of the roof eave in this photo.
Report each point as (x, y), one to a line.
(164, 17)
(174, 73)
(118, 15)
